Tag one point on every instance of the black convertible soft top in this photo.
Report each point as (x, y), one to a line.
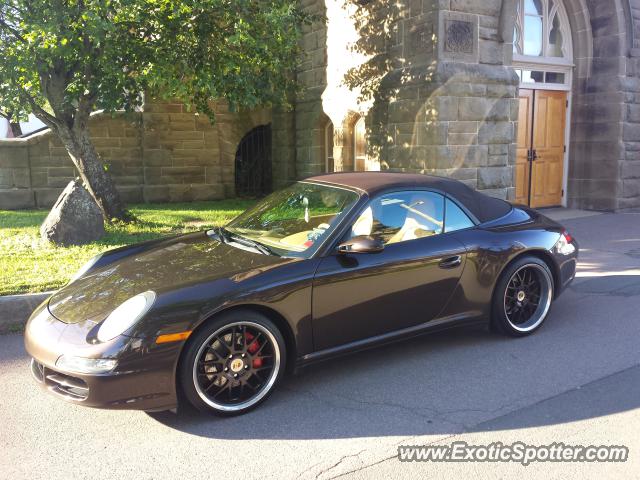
(483, 207)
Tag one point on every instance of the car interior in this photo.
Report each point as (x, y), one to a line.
(305, 219)
(401, 217)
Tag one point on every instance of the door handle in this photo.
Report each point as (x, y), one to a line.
(451, 262)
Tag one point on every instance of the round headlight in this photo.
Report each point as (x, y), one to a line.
(125, 316)
(85, 268)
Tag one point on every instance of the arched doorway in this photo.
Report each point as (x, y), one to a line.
(543, 59)
(253, 163)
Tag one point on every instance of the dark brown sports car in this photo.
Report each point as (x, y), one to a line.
(329, 265)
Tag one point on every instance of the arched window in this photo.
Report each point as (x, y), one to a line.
(328, 147)
(542, 30)
(359, 146)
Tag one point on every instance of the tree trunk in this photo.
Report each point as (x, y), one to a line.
(16, 129)
(96, 179)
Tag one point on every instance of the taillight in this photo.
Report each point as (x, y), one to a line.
(567, 236)
(564, 245)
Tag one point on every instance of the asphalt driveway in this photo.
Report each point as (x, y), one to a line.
(576, 381)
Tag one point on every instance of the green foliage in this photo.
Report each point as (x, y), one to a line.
(63, 56)
(30, 264)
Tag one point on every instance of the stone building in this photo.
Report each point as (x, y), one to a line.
(536, 101)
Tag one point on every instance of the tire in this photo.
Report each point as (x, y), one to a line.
(232, 363)
(522, 297)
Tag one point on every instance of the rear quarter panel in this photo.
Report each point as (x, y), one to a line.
(490, 250)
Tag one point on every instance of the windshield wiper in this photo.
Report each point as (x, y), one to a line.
(223, 234)
(257, 245)
(219, 233)
(227, 236)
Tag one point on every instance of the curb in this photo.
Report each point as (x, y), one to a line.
(16, 309)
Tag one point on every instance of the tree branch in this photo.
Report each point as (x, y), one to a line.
(13, 31)
(42, 114)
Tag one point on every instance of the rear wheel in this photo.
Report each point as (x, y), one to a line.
(523, 297)
(232, 364)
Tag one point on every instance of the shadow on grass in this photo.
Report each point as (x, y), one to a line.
(152, 220)
(171, 215)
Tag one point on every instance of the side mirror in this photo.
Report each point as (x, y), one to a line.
(361, 244)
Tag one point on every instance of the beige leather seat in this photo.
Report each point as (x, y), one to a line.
(364, 224)
(411, 230)
(416, 223)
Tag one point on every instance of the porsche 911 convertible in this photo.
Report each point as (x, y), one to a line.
(329, 265)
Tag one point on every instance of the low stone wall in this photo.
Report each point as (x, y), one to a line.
(34, 170)
(15, 175)
(163, 154)
(15, 310)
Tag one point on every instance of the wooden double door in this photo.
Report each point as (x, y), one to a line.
(541, 148)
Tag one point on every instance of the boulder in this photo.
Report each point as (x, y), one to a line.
(75, 219)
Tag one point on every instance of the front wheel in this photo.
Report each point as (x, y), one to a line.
(522, 297)
(232, 364)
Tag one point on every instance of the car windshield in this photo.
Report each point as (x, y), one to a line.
(293, 221)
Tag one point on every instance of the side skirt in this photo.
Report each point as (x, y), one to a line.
(445, 323)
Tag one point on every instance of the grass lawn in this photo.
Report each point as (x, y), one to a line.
(29, 264)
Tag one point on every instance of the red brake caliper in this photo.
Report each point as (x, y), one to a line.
(253, 348)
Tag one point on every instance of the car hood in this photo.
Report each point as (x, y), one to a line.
(169, 265)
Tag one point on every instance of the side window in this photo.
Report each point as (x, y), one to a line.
(456, 219)
(402, 216)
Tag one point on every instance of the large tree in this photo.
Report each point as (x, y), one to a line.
(64, 59)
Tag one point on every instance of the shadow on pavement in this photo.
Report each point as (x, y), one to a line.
(616, 393)
(444, 383)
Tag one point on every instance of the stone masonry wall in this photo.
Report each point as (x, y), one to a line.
(187, 158)
(600, 81)
(455, 109)
(164, 154)
(445, 102)
(630, 165)
(311, 74)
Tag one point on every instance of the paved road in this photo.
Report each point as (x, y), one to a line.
(576, 381)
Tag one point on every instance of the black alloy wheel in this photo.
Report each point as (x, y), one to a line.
(233, 364)
(523, 297)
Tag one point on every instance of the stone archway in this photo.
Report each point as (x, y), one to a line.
(253, 169)
(343, 142)
(231, 129)
(596, 148)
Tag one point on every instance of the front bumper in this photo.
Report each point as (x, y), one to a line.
(144, 378)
